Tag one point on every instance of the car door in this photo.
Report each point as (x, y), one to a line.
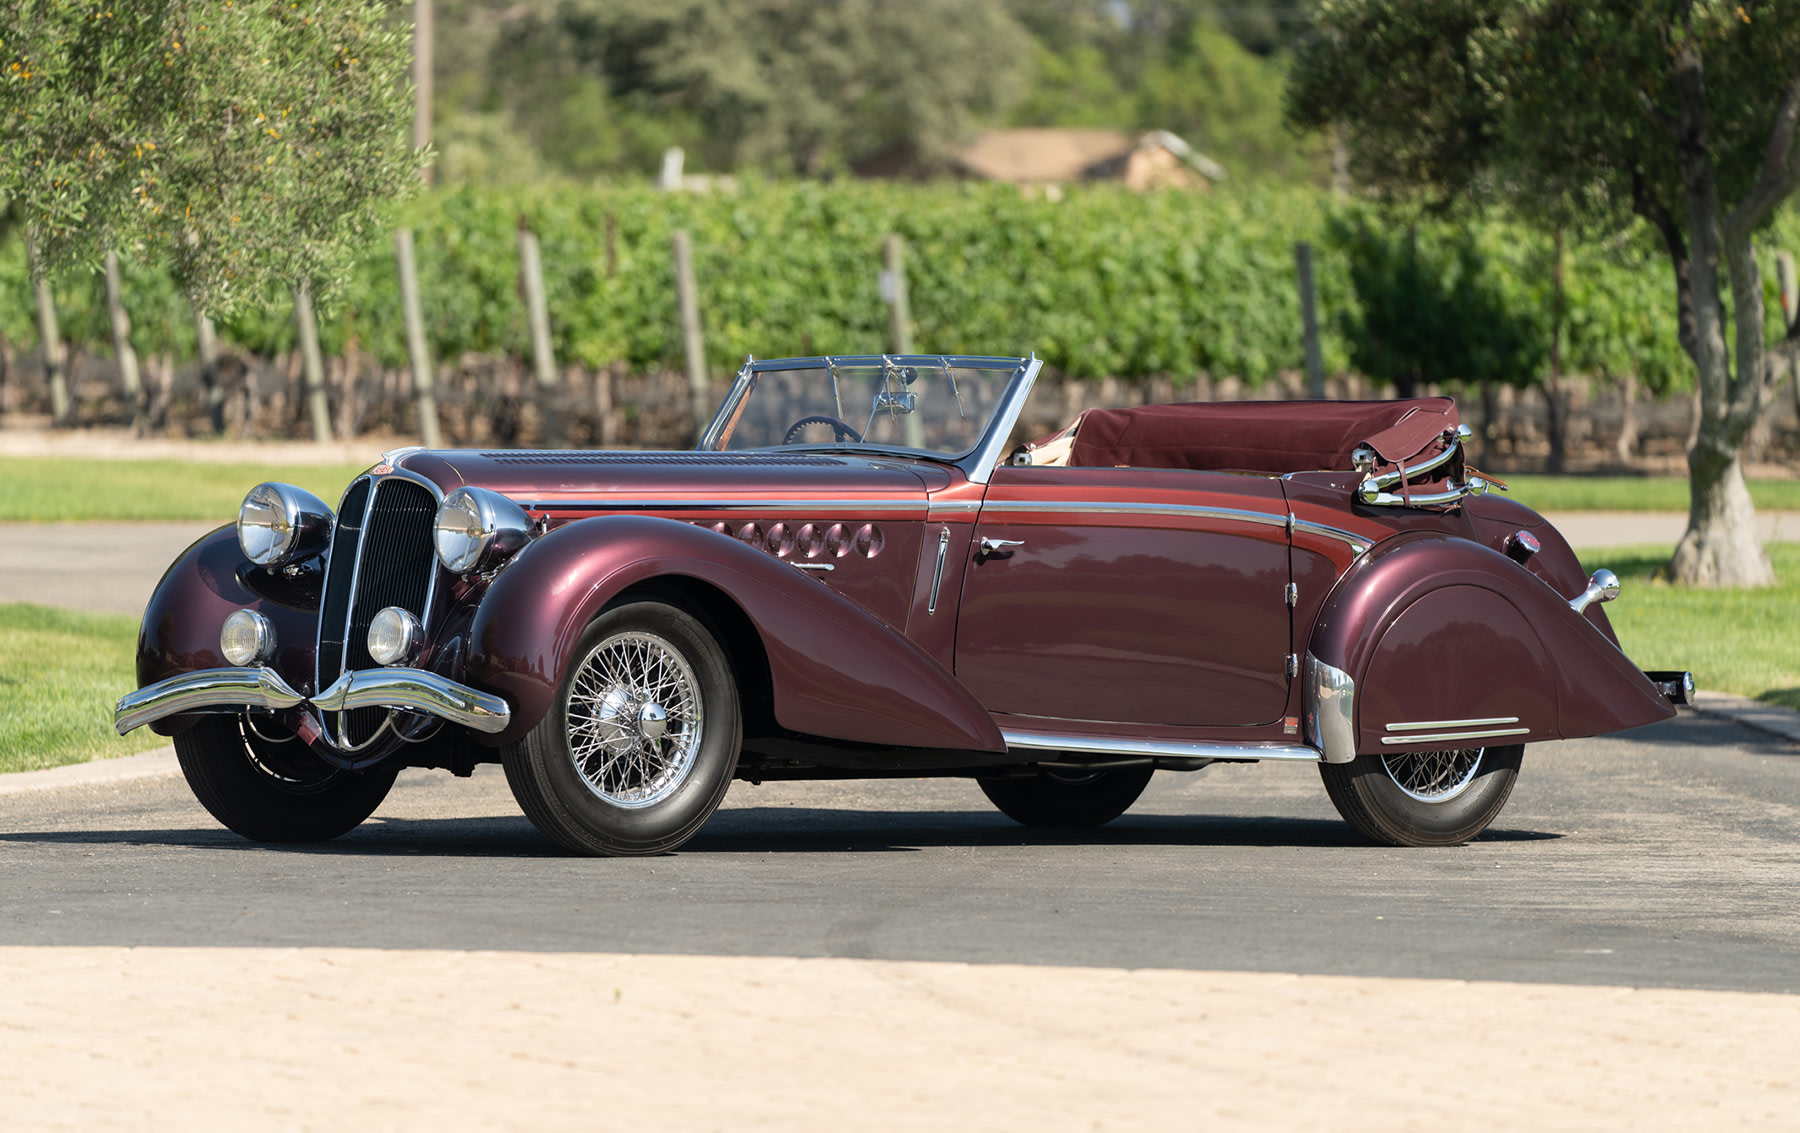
(1125, 595)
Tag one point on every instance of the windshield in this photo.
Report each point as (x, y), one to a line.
(932, 405)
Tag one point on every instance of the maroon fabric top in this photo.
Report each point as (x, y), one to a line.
(1260, 436)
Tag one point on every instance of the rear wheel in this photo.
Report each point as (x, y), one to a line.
(275, 792)
(642, 739)
(1068, 800)
(1423, 798)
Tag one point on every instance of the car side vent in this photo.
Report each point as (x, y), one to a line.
(690, 459)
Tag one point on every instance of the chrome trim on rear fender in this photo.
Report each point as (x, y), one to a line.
(1330, 710)
(205, 690)
(1453, 737)
(1167, 749)
(234, 690)
(1442, 725)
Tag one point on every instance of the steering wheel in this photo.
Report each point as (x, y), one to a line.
(839, 430)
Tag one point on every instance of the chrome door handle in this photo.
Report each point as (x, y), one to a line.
(991, 546)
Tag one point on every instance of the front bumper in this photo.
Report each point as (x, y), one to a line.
(235, 690)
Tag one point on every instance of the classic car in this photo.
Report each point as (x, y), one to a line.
(861, 572)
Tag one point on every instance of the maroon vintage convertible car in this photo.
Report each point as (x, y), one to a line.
(858, 573)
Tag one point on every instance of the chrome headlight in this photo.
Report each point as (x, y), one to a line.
(395, 636)
(279, 523)
(477, 529)
(247, 638)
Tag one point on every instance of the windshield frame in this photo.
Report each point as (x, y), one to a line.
(977, 463)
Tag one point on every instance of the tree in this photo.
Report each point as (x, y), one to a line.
(803, 86)
(1587, 113)
(249, 144)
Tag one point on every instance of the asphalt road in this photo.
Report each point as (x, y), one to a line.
(1666, 857)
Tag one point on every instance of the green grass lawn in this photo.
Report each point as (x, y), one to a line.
(45, 489)
(1633, 493)
(1740, 641)
(60, 674)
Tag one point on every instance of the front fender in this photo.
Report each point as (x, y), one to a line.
(212, 578)
(836, 670)
(1438, 628)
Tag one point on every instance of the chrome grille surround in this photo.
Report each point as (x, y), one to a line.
(381, 555)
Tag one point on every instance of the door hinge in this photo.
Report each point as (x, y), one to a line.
(1291, 592)
(937, 575)
(1293, 664)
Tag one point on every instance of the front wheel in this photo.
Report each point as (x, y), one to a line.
(1068, 800)
(642, 739)
(275, 792)
(1423, 798)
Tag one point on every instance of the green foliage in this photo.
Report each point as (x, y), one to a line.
(244, 144)
(1633, 493)
(1737, 641)
(61, 671)
(1104, 282)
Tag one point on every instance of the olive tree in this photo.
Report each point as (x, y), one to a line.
(246, 143)
(1595, 114)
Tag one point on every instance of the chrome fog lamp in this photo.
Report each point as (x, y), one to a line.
(395, 636)
(279, 523)
(247, 638)
(477, 529)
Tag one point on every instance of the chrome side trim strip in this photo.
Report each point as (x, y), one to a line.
(1087, 507)
(1441, 725)
(1330, 698)
(206, 690)
(834, 504)
(1452, 737)
(808, 566)
(1168, 749)
(234, 690)
(1357, 543)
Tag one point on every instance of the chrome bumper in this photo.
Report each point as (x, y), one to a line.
(233, 690)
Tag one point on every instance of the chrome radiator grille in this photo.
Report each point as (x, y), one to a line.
(381, 555)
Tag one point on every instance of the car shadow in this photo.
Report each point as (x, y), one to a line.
(774, 830)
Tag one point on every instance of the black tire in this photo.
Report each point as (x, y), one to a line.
(630, 792)
(275, 792)
(1369, 794)
(1068, 800)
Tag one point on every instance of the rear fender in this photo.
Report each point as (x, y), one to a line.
(835, 670)
(1434, 628)
(211, 579)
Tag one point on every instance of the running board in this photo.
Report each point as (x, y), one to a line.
(1156, 749)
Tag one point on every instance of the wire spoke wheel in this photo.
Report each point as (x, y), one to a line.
(1433, 776)
(1423, 798)
(642, 740)
(635, 719)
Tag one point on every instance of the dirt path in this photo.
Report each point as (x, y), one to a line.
(304, 1039)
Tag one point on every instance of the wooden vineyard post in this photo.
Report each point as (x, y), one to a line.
(537, 309)
(423, 393)
(130, 380)
(312, 364)
(693, 345)
(1309, 321)
(56, 353)
(900, 336)
(207, 340)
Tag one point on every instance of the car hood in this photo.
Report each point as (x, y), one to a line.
(528, 476)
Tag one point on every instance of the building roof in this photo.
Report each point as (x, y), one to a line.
(1035, 155)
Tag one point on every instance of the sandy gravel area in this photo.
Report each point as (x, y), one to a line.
(316, 1039)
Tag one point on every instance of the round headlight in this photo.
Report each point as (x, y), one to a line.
(280, 523)
(477, 529)
(394, 636)
(247, 638)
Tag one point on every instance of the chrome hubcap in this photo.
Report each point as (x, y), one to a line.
(1433, 776)
(635, 719)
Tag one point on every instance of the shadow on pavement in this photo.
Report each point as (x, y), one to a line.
(771, 830)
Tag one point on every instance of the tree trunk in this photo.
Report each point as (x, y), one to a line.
(1625, 447)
